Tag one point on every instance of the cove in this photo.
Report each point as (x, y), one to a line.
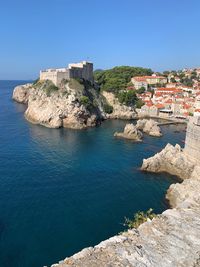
(63, 190)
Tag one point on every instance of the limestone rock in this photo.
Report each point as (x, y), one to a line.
(21, 93)
(120, 111)
(172, 160)
(149, 126)
(186, 194)
(172, 239)
(59, 108)
(130, 132)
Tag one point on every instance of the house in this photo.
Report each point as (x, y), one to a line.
(144, 81)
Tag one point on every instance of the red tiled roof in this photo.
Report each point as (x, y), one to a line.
(143, 78)
(159, 105)
(169, 101)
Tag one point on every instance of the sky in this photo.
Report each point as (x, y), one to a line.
(39, 34)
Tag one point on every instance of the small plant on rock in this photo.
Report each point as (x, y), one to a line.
(139, 218)
(50, 89)
(108, 108)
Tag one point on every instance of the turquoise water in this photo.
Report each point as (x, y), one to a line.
(62, 190)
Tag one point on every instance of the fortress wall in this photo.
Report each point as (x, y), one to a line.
(82, 70)
(192, 140)
(55, 76)
(49, 75)
(62, 75)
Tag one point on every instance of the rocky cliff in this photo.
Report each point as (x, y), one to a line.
(172, 239)
(73, 105)
(120, 111)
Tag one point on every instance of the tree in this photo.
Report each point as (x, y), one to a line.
(141, 90)
(172, 80)
(128, 98)
(139, 103)
(117, 79)
(108, 108)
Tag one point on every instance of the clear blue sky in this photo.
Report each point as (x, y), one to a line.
(37, 34)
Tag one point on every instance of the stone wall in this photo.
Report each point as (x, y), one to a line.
(55, 75)
(82, 70)
(192, 140)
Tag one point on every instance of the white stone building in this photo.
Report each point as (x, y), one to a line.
(82, 70)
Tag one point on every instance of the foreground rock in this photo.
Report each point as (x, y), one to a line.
(130, 132)
(162, 242)
(70, 106)
(149, 126)
(120, 111)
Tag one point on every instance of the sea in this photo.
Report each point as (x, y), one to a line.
(62, 190)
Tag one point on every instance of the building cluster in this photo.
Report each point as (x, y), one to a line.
(166, 98)
(145, 81)
(82, 70)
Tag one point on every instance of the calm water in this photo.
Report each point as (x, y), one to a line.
(63, 190)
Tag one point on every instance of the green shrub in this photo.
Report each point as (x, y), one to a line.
(84, 100)
(139, 103)
(65, 93)
(141, 90)
(50, 89)
(36, 81)
(139, 218)
(76, 84)
(128, 98)
(108, 109)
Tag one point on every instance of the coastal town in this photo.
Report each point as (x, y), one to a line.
(174, 94)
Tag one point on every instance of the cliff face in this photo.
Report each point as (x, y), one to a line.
(120, 111)
(74, 105)
(172, 239)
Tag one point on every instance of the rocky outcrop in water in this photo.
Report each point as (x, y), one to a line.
(120, 111)
(172, 160)
(130, 132)
(133, 132)
(74, 105)
(149, 126)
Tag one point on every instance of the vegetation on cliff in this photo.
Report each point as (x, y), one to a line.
(127, 98)
(117, 78)
(139, 218)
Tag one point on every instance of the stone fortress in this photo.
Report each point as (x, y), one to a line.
(82, 70)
